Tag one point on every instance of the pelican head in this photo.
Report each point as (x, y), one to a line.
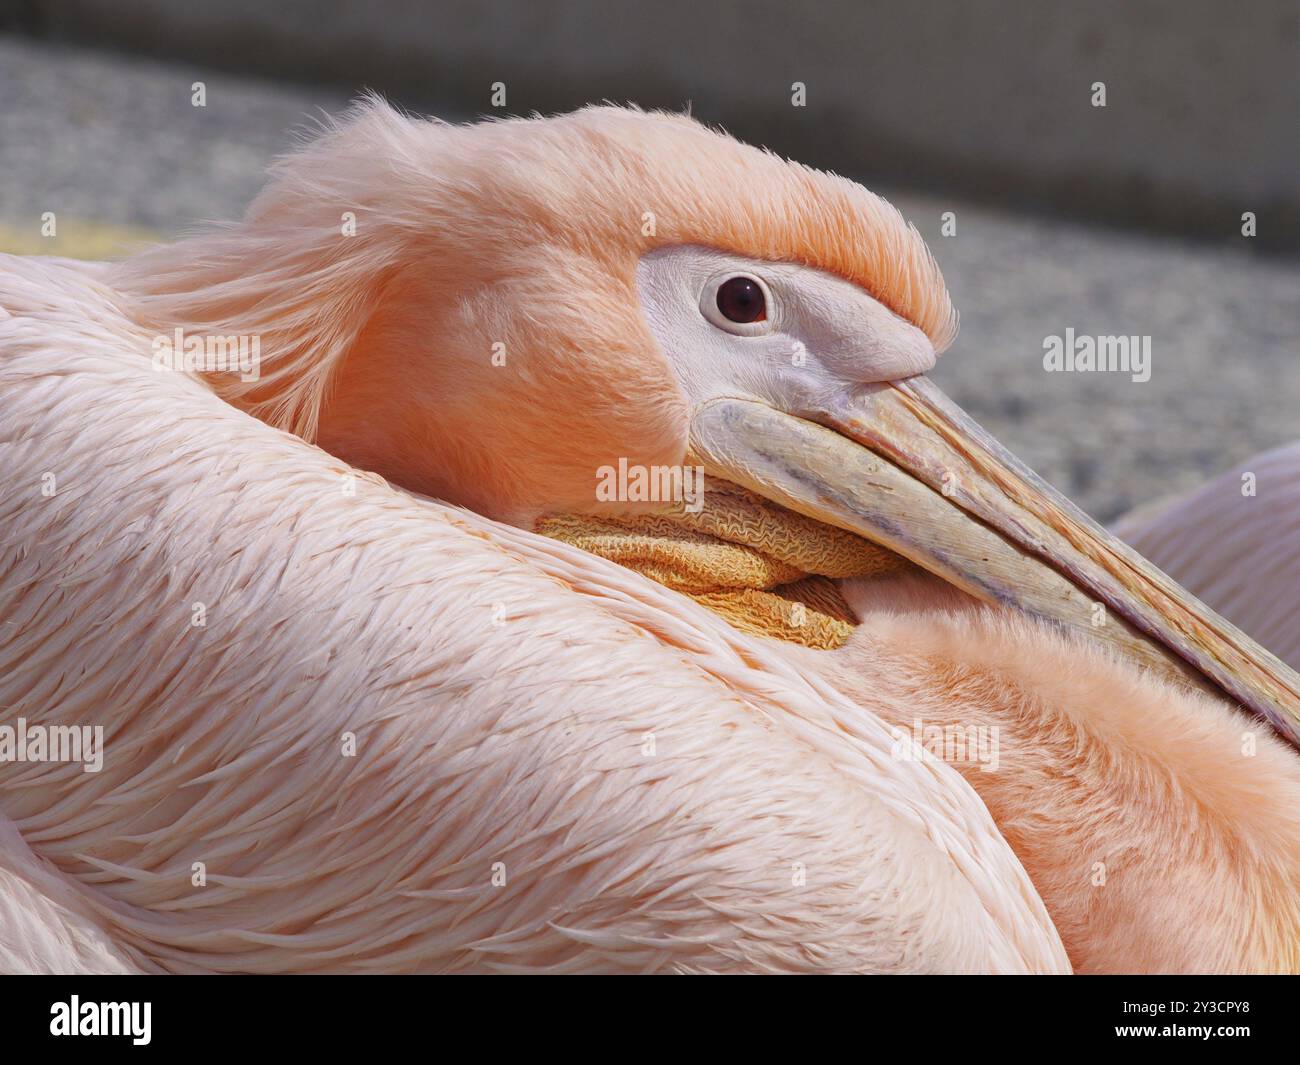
(492, 313)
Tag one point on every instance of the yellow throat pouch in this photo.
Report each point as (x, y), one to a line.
(765, 569)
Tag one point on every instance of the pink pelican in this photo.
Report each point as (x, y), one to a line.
(358, 714)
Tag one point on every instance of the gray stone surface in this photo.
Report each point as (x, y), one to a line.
(101, 136)
(116, 140)
(990, 98)
(1225, 351)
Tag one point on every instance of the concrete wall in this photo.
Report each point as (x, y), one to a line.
(987, 99)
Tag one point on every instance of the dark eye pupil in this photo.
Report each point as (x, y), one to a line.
(740, 299)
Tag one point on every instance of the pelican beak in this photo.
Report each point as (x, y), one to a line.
(902, 465)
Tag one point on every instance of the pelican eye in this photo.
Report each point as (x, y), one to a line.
(738, 303)
(741, 300)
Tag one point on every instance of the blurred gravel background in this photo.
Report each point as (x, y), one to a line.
(114, 147)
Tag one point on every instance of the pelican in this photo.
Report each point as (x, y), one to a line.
(1235, 543)
(390, 679)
